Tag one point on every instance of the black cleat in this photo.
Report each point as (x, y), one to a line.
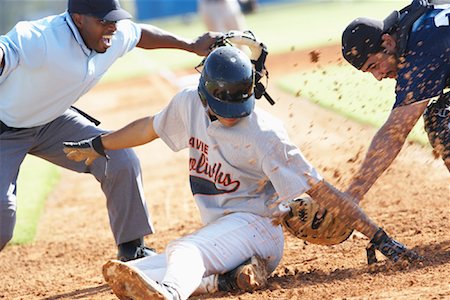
(133, 250)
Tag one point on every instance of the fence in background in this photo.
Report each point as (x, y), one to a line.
(149, 9)
(12, 11)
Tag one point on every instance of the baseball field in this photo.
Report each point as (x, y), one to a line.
(411, 200)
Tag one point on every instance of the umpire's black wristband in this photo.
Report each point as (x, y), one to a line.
(98, 145)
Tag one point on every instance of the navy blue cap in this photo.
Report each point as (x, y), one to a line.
(108, 10)
(363, 37)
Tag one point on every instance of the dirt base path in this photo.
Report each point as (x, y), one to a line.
(411, 201)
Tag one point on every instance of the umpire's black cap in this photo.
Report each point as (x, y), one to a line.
(108, 10)
(363, 37)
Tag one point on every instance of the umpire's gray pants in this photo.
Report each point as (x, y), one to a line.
(122, 183)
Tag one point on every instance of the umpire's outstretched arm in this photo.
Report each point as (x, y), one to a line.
(156, 38)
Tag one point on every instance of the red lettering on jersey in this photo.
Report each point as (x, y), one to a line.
(199, 145)
(202, 166)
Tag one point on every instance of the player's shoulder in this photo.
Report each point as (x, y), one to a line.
(269, 126)
(187, 97)
(189, 92)
(266, 120)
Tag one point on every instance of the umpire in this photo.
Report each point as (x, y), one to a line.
(412, 46)
(46, 66)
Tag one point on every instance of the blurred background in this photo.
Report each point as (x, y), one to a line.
(12, 11)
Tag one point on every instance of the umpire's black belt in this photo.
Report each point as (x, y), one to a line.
(4, 128)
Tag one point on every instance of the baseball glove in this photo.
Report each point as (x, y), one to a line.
(308, 221)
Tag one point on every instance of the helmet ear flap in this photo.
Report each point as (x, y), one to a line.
(202, 97)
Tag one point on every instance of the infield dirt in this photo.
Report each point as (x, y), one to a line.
(411, 201)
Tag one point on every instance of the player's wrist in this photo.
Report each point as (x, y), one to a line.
(97, 145)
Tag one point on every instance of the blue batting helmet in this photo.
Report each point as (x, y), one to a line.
(227, 81)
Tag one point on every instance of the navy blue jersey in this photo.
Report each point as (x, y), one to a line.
(426, 69)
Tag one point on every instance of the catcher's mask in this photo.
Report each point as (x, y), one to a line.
(226, 83)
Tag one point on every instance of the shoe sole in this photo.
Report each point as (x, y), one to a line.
(253, 275)
(129, 283)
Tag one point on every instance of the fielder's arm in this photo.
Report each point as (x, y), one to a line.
(343, 207)
(134, 134)
(153, 37)
(384, 148)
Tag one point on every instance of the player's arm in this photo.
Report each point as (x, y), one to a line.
(307, 220)
(153, 37)
(134, 134)
(342, 206)
(385, 146)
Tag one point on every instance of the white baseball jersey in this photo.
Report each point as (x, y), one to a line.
(250, 167)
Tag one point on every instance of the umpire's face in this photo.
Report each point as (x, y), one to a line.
(97, 34)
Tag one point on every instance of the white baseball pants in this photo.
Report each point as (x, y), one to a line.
(214, 249)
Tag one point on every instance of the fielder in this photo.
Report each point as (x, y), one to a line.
(46, 66)
(243, 173)
(413, 47)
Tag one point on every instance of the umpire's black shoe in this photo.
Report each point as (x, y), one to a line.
(390, 248)
(133, 250)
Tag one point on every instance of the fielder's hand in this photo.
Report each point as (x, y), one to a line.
(85, 150)
(308, 221)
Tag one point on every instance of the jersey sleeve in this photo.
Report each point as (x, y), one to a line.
(171, 123)
(130, 34)
(22, 45)
(289, 171)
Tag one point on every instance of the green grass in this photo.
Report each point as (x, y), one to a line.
(352, 93)
(36, 180)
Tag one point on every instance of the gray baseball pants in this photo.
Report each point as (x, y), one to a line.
(121, 183)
